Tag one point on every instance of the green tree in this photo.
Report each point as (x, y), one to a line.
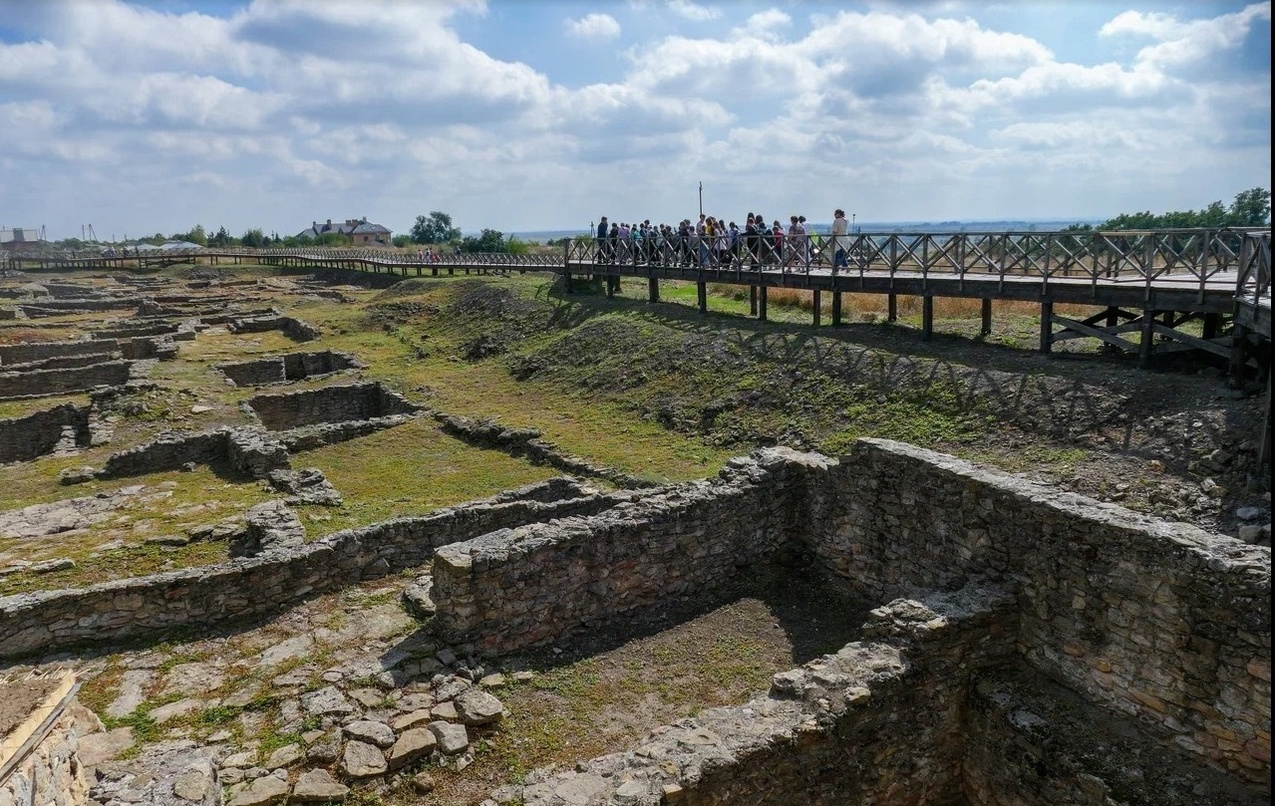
(196, 235)
(332, 239)
(1251, 208)
(1214, 215)
(401, 241)
(435, 229)
(254, 238)
(490, 241)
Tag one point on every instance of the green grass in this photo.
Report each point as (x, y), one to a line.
(661, 392)
(409, 470)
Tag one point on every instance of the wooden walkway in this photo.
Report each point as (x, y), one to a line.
(1152, 292)
(1150, 283)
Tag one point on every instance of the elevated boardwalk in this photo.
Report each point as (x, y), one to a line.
(1153, 292)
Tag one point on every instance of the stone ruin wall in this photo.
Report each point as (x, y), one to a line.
(1157, 621)
(289, 367)
(1181, 639)
(294, 329)
(1160, 621)
(25, 438)
(361, 401)
(248, 588)
(877, 722)
(249, 451)
(536, 583)
(42, 382)
(28, 352)
(66, 362)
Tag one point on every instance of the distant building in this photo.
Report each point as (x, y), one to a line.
(360, 230)
(19, 238)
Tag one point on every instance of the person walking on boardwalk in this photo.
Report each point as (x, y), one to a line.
(604, 230)
(792, 244)
(840, 227)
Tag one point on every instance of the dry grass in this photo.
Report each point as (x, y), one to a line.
(877, 305)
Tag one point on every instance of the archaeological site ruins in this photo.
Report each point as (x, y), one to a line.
(219, 589)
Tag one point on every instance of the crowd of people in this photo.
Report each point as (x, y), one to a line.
(713, 242)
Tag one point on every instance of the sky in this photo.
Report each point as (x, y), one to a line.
(153, 116)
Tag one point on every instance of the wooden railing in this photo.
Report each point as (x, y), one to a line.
(1253, 285)
(1191, 257)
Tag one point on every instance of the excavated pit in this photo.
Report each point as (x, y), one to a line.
(60, 430)
(289, 367)
(330, 405)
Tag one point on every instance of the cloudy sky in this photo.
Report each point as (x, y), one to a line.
(517, 115)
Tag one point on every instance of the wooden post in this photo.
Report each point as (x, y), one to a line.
(571, 289)
(701, 294)
(1239, 354)
(610, 286)
(986, 329)
(1264, 441)
(1148, 337)
(1212, 321)
(653, 289)
(892, 308)
(752, 300)
(761, 303)
(818, 303)
(836, 308)
(1046, 328)
(927, 317)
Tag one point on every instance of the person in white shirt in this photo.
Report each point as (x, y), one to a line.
(840, 227)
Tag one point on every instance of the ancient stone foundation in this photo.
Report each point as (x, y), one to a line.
(27, 352)
(294, 329)
(42, 382)
(62, 428)
(248, 588)
(250, 452)
(1013, 617)
(1152, 620)
(329, 404)
(133, 348)
(290, 367)
(528, 442)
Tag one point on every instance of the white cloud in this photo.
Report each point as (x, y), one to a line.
(1182, 43)
(288, 110)
(693, 11)
(594, 28)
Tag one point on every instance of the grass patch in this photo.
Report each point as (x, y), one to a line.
(412, 469)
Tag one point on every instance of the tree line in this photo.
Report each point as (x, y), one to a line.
(1251, 208)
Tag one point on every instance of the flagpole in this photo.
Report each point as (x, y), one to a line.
(701, 198)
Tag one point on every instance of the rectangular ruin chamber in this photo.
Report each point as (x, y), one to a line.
(330, 404)
(289, 367)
